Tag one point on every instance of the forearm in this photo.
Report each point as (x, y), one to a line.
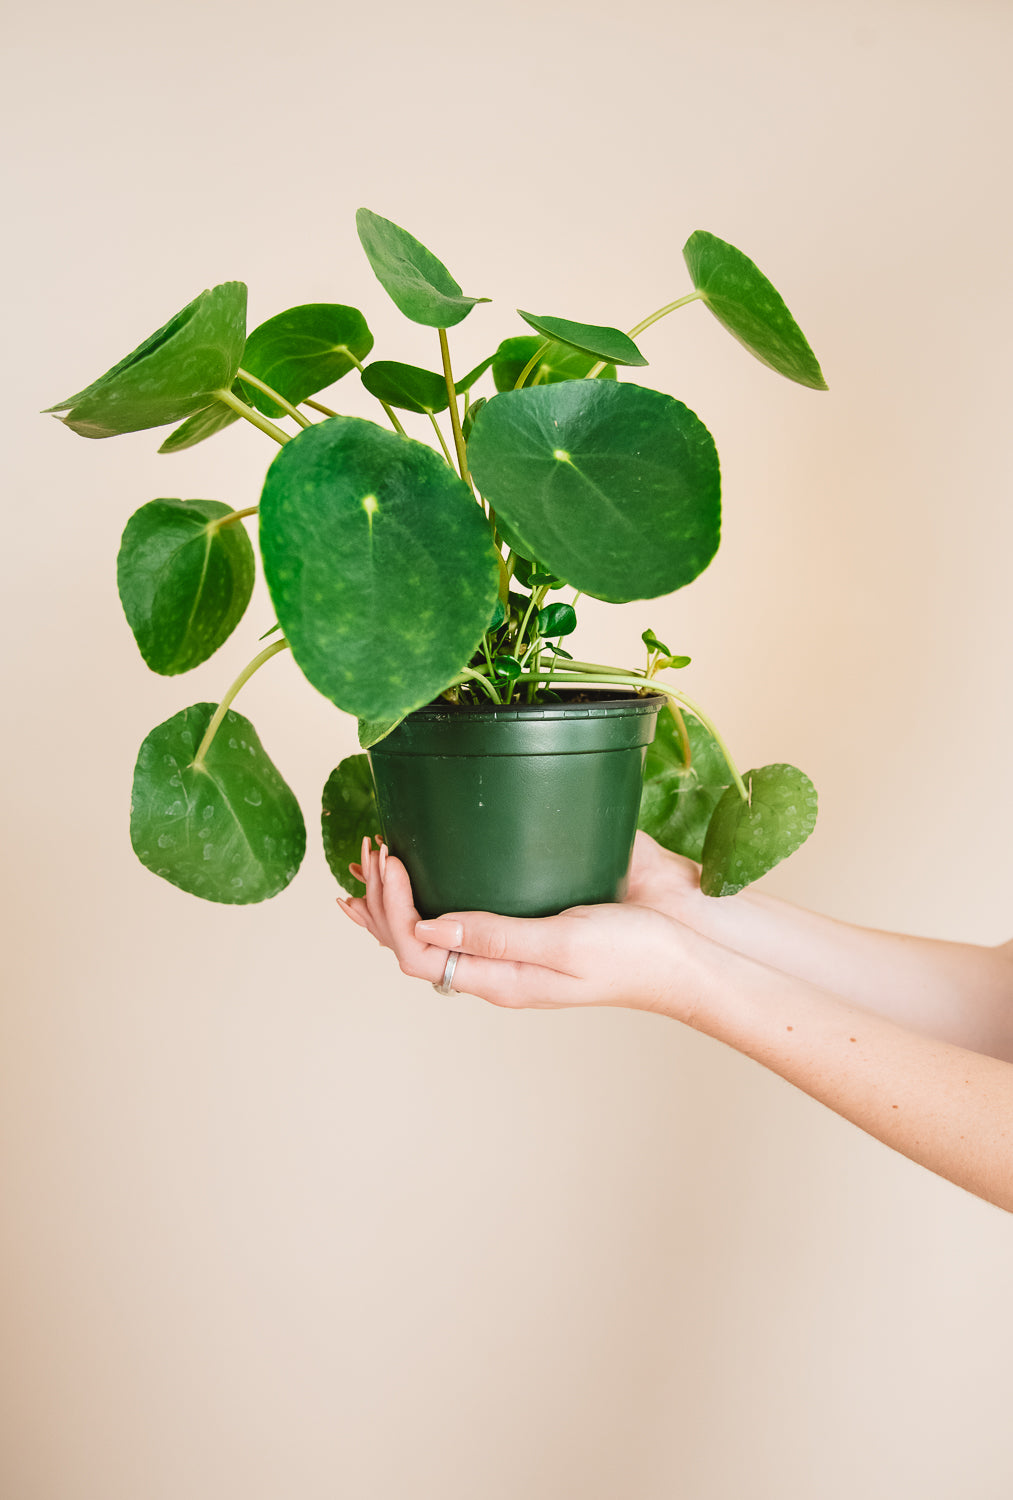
(947, 1108)
(955, 992)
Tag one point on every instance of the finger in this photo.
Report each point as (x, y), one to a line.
(356, 873)
(420, 959)
(549, 942)
(373, 881)
(351, 911)
(516, 986)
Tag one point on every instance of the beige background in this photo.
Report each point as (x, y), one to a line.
(277, 1222)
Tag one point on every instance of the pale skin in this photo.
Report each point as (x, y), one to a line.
(909, 1038)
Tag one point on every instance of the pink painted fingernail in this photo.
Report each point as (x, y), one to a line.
(441, 933)
(383, 861)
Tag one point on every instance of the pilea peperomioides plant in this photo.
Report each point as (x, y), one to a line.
(401, 573)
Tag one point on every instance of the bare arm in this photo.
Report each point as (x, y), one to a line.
(956, 992)
(944, 1106)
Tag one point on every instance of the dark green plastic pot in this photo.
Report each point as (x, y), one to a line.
(521, 810)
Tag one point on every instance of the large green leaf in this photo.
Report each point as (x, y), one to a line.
(304, 350)
(381, 566)
(229, 830)
(185, 579)
(557, 363)
(677, 801)
(172, 374)
(614, 488)
(610, 344)
(203, 424)
(746, 839)
(741, 297)
(405, 386)
(348, 816)
(413, 278)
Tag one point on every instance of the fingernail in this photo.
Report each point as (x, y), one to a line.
(441, 933)
(383, 861)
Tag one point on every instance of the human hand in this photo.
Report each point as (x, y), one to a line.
(625, 954)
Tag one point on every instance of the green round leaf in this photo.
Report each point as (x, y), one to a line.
(184, 580)
(746, 839)
(229, 830)
(203, 424)
(610, 344)
(348, 816)
(405, 386)
(678, 801)
(413, 278)
(381, 566)
(741, 297)
(557, 619)
(557, 363)
(302, 351)
(172, 374)
(613, 487)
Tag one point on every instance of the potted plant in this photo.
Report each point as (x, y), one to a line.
(420, 588)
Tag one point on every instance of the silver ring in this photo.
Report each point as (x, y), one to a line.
(444, 986)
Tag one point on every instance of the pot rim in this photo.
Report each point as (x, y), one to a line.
(609, 705)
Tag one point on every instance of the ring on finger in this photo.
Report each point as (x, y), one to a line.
(445, 986)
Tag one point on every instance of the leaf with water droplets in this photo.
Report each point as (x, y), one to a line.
(678, 800)
(746, 839)
(348, 816)
(229, 830)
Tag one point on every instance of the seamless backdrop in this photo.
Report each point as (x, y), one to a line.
(277, 1222)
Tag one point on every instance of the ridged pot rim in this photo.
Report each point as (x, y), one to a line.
(607, 706)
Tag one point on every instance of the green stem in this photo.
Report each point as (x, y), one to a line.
(238, 515)
(223, 707)
(443, 441)
(241, 408)
(258, 384)
(532, 362)
(392, 416)
(316, 406)
(468, 675)
(662, 312)
(587, 674)
(455, 416)
(535, 602)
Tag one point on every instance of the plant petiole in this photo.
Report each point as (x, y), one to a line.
(226, 703)
(236, 515)
(662, 312)
(286, 406)
(455, 416)
(532, 362)
(228, 398)
(439, 434)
